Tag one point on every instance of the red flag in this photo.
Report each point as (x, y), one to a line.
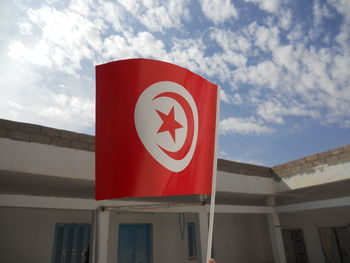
(155, 130)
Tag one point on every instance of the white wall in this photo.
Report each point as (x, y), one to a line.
(310, 221)
(167, 243)
(27, 235)
(320, 175)
(238, 183)
(237, 238)
(242, 238)
(42, 159)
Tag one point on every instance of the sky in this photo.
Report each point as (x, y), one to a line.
(283, 66)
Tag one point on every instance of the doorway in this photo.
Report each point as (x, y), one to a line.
(135, 243)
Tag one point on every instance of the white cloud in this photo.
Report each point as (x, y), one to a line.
(234, 125)
(37, 54)
(266, 38)
(314, 79)
(69, 110)
(106, 13)
(295, 34)
(265, 74)
(26, 98)
(343, 7)
(129, 46)
(159, 15)
(230, 41)
(218, 11)
(166, 15)
(320, 12)
(190, 53)
(346, 124)
(288, 57)
(267, 5)
(225, 97)
(274, 111)
(285, 19)
(230, 99)
(296, 78)
(51, 43)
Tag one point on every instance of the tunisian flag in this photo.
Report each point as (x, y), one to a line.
(155, 130)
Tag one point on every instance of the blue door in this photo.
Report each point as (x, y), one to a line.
(134, 243)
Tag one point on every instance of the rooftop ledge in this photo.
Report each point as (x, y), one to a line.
(32, 133)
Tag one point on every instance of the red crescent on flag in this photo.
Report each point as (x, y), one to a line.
(182, 152)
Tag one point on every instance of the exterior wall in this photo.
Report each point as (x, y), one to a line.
(237, 183)
(306, 164)
(44, 135)
(166, 239)
(242, 238)
(321, 168)
(316, 176)
(27, 235)
(41, 159)
(310, 221)
(244, 168)
(237, 238)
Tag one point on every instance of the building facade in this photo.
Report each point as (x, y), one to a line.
(294, 212)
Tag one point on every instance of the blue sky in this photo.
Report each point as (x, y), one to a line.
(283, 66)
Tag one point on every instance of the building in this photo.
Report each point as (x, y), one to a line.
(294, 212)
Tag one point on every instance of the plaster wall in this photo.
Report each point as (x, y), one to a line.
(242, 238)
(317, 176)
(42, 159)
(237, 183)
(27, 235)
(237, 238)
(167, 243)
(310, 221)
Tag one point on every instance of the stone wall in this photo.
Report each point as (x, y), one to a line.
(244, 168)
(44, 135)
(302, 165)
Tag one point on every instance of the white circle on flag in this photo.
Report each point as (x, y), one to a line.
(166, 121)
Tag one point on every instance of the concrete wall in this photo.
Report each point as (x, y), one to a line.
(237, 183)
(42, 159)
(237, 238)
(242, 238)
(310, 221)
(27, 235)
(167, 243)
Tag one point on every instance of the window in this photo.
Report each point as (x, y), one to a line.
(192, 242)
(294, 246)
(72, 243)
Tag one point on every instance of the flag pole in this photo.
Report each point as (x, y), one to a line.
(213, 189)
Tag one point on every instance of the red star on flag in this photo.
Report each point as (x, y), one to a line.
(169, 123)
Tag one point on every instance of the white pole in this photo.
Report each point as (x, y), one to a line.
(213, 189)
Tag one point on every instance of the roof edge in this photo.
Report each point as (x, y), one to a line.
(28, 132)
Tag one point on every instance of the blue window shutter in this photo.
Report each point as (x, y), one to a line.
(58, 243)
(71, 243)
(192, 242)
